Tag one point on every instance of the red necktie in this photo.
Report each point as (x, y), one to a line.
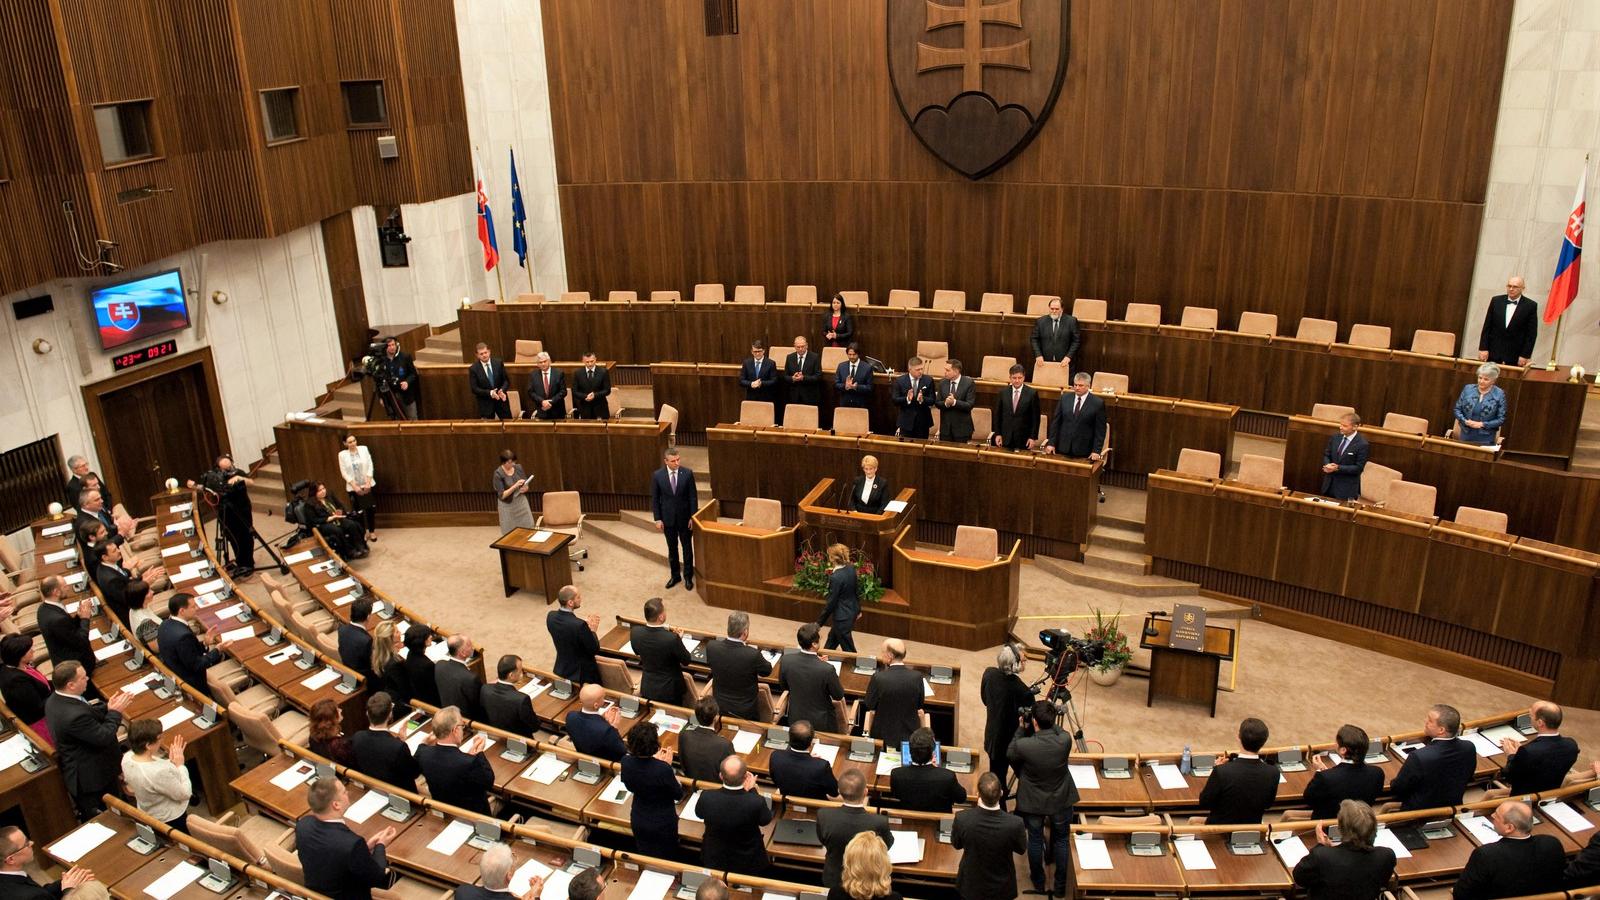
(547, 382)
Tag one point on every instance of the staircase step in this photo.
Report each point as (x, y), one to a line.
(1114, 560)
(1116, 582)
(639, 520)
(629, 536)
(449, 337)
(270, 468)
(443, 357)
(1118, 537)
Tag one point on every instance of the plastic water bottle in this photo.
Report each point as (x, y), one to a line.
(1184, 764)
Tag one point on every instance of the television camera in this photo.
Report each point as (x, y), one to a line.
(1064, 655)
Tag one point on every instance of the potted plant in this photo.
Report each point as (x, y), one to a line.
(1108, 630)
(811, 571)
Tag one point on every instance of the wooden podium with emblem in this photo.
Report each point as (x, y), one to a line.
(1186, 655)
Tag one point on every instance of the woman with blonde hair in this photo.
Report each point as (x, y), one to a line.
(866, 871)
(387, 666)
(844, 601)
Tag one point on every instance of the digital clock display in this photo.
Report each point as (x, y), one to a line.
(154, 351)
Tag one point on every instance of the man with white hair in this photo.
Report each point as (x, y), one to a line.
(78, 464)
(1519, 863)
(495, 870)
(547, 390)
(457, 775)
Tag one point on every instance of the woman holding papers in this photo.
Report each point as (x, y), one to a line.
(647, 772)
(159, 781)
(511, 486)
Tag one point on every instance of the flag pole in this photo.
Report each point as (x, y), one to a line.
(502, 282)
(529, 270)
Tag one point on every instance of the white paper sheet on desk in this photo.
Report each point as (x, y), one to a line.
(176, 717)
(180, 507)
(362, 809)
(1291, 849)
(319, 568)
(300, 557)
(538, 537)
(417, 740)
(1483, 745)
(770, 895)
(142, 685)
(72, 847)
(176, 550)
(278, 657)
(745, 741)
(1194, 854)
(181, 576)
(652, 885)
(13, 749)
(689, 813)
(110, 650)
(616, 791)
(194, 565)
(1092, 852)
(1498, 733)
(689, 643)
(451, 838)
(343, 584)
(1168, 777)
(346, 600)
(829, 752)
(326, 677)
(1480, 827)
(668, 722)
(229, 611)
(206, 601)
(771, 656)
(1564, 815)
(95, 635)
(927, 688)
(240, 634)
(534, 687)
(906, 849)
(523, 877)
(894, 506)
(177, 526)
(626, 649)
(76, 578)
(546, 769)
(205, 587)
(177, 878)
(887, 761)
(555, 885)
(294, 776)
(488, 739)
(61, 555)
(1385, 838)
(437, 651)
(1085, 777)
(54, 530)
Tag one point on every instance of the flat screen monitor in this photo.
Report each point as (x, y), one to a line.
(133, 311)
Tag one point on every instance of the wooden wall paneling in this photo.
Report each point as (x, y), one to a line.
(1463, 573)
(1464, 80)
(344, 279)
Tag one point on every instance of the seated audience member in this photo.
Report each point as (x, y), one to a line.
(1539, 764)
(812, 683)
(457, 684)
(712, 889)
(586, 885)
(494, 876)
(921, 785)
(159, 781)
(592, 731)
(1348, 778)
(736, 668)
(1481, 408)
(797, 772)
(419, 668)
(1436, 774)
(1344, 459)
(576, 640)
(337, 862)
(734, 817)
(327, 733)
(661, 653)
(504, 706)
(355, 643)
(378, 752)
(866, 873)
(1352, 870)
(185, 654)
(1518, 864)
(988, 837)
(457, 775)
(388, 666)
(838, 826)
(344, 533)
(703, 748)
(647, 773)
(23, 687)
(1241, 789)
(16, 856)
(895, 700)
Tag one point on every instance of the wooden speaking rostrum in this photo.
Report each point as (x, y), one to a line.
(1186, 652)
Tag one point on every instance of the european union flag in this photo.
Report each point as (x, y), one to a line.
(519, 240)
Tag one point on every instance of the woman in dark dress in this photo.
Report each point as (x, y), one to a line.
(419, 668)
(1004, 693)
(22, 686)
(647, 772)
(844, 601)
(386, 662)
(838, 325)
(327, 734)
(326, 514)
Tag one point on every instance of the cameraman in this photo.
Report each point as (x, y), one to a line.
(1045, 792)
(233, 511)
(1004, 694)
(400, 373)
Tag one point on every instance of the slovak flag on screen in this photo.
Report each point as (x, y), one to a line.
(124, 314)
(1565, 287)
(491, 249)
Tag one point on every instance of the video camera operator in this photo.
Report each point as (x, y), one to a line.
(1045, 795)
(230, 487)
(399, 375)
(1004, 693)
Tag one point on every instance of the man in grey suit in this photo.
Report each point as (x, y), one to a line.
(955, 397)
(1045, 794)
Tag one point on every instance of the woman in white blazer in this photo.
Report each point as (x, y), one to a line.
(355, 464)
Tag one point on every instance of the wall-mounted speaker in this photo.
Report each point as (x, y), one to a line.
(388, 148)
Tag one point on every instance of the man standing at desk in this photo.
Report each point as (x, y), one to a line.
(736, 667)
(673, 499)
(547, 390)
(956, 396)
(1078, 429)
(490, 384)
(1055, 337)
(1016, 414)
(758, 375)
(853, 380)
(1510, 327)
(802, 372)
(1344, 459)
(591, 385)
(914, 395)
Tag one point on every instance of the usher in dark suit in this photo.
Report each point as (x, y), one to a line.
(813, 685)
(1435, 775)
(808, 390)
(1016, 428)
(895, 697)
(916, 418)
(556, 393)
(1345, 781)
(1540, 764)
(1078, 429)
(1239, 791)
(586, 382)
(493, 380)
(508, 709)
(1055, 341)
(860, 372)
(844, 605)
(1351, 456)
(1344, 872)
(988, 839)
(576, 646)
(662, 657)
(955, 422)
(735, 669)
(1507, 344)
(672, 508)
(875, 500)
(799, 774)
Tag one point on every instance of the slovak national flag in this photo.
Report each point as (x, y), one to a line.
(1565, 287)
(491, 249)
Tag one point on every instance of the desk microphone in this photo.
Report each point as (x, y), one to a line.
(1150, 629)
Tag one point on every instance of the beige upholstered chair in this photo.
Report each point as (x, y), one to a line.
(623, 297)
(934, 353)
(666, 296)
(1375, 482)
(262, 733)
(1039, 304)
(1200, 462)
(1330, 412)
(1413, 498)
(327, 642)
(245, 840)
(997, 303)
(1482, 518)
(973, 542)
(309, 626)
(1103, 381)
(853, 420)
(749, 293)
(831, 358)
(528, 298)
(757, 413)
(575, 297)
(669, 415)
(11, 564)
(1087, 310)
(760, 512)
(228, 688)
(1261, 471)
(951, 300)
(1438, 343)
(854, 299)
(1369, 336)
(285, 863)
(1143, 314)
(905, 299)
(527, 350)
(1049, 374)
(982, 424)
(709, 293)
(1258, 323)
(1198, 317)
(614, 676)
(1408, 424)
(562, 512)
(1321, 331)
(800, 293)
(996, 368)
(800, 417)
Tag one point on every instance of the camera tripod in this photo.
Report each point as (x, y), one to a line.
(391, 403)
(223, 542)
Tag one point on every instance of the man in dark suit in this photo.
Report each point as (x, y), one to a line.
(1016, 414)
(1350, 778)
(1078, 429)
(1437, 773)
(591, 386)
(592, 731)
(186, 654)
(577, 641)
(407, 382)
(702, 749)
(988, 837)
(895, 700)
(802, 372)
(1344, 459)
(1510, 327)
(65, 629)
(547, 390)
(673, 499)
(16, 852)
(1541, 763)
(918, 784)
(914, 396)
(797, 773)
(837, 826)
(1240, 789)
(494, 872)
(812, 682)
(378, 752)
(490, 385)
(759, 375)
(458, 775)
(1584, 870)
(1045, 795)
(355, 642)
(734, 817)
(78, 465)
(955, 398)
(853, 379)
(661, 653)
(1055, 336)
(504, 706)
(1353, 870)
(458, 686)
(337, 862)
(1520, 863)
(92, 507)
(121, 582)
(869, 493)
(86, 737)
(736, 667)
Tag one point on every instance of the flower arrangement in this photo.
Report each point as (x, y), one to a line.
(1108, 629)
(811, 570)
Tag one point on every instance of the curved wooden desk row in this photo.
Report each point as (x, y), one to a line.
(1281, 376)
(1512, 611)
(441, 472)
